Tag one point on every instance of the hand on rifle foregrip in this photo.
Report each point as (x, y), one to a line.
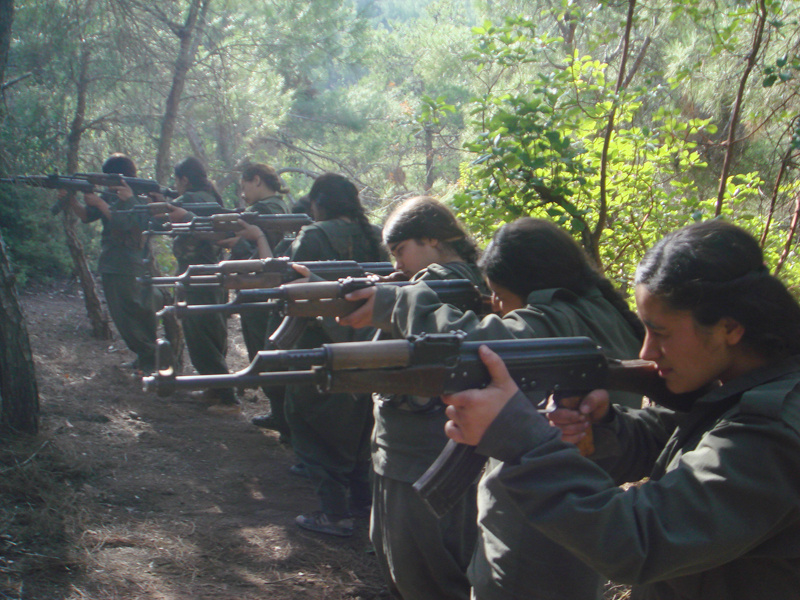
(304, 271)
(472, 411)
(362, 316)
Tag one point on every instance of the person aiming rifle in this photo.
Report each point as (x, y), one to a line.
(421, 557)
(207, 335)
(543, 285)
(330, 432)
(124, 260)
(719, 514)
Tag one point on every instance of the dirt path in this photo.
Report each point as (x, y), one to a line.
(160, 499)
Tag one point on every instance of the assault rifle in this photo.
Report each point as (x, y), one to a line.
(430, 365)
(301, 302)
(140, 187)
(53, 182)
(265, 273)
(221, 226)
(156, 209)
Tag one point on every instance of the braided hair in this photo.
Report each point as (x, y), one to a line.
(715, 269)
(424, 217)
(195, 173)
(336, 196)
(535, 254)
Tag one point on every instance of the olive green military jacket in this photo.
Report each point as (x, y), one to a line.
(123, 247)
(274, 205)
(335, 239)
(409, 431)
(512, 560)
(190, 250)
(718, 520)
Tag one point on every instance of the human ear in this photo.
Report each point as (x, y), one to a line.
(732, 329)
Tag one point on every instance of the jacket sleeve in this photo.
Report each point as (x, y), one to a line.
(628, 444)
(416, 309)
(722, 498)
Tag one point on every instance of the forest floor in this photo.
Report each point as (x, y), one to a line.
(124, 494)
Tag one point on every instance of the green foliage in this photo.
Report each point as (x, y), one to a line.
(368, 88)
(541, 149)
(34, 237)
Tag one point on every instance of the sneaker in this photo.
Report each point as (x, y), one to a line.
(321, 523)
(225, 409)
(266, 421)
(300, 470)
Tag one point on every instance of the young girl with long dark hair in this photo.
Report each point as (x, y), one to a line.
(719, 516)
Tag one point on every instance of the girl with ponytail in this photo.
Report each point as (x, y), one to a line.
(543, 285)
(718, 515)
(330, 433)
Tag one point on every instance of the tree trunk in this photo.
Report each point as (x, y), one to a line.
(6, 17)
(737, 105)
(19, 393)
(189, 36)
(101, 327)
(789, 236)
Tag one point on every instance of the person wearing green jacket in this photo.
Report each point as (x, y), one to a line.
(124, 258)
(275, 419)
(206, 335)
(330, 432)
(543, 285)
(263, 193)
(421, 557)
(719, 515)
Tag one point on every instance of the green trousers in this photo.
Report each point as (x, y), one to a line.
(207, 336)
(131, 307)
(422, 557)
(330, 434)
(256, 328)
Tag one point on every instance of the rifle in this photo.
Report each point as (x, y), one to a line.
(139, 186)
(163, 208)
(431, 365)
(265, 273)
(221, 226)
(301, 302)
(53, 182)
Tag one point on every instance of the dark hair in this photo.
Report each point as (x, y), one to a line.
(336, 196)
(120, 164)
(535, 254)
(424, 217)
(267, 175)
(715, 269)
(301, 206)
(195, 172)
